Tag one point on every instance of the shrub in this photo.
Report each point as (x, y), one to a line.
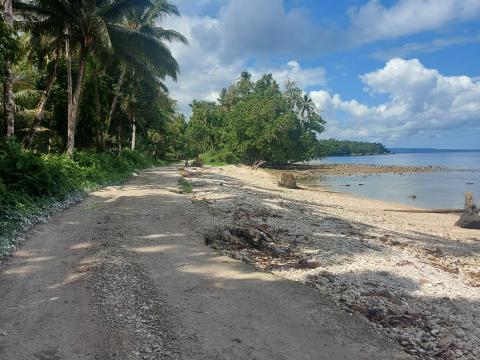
(30, 183)
(219, 158)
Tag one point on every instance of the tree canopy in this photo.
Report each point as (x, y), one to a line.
(94, 72)
(332, 147)
(255, 121)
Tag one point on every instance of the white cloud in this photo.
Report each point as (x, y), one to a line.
(426, 47)
(245, 36)
(292, 70)
(373, 21)
(204, 72)
(421, 100)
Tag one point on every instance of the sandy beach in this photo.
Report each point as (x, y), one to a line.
(415, 277)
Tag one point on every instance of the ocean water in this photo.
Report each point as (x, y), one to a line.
(440, 189)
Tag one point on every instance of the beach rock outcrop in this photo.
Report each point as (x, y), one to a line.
(288, 180)
(470, 219)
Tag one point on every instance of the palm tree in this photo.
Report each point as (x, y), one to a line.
(8, 100)
(91, 26)
(154, 65)
(306, 107)
(51, 47)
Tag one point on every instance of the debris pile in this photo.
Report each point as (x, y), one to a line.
(236, 239)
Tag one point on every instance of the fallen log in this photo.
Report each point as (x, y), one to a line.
(257, 164)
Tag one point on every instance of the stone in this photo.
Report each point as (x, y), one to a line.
(288, 180)
(445, 341)
(460, 333)
(427, 346)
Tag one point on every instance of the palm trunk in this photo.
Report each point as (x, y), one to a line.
(8, 102)
(72, 123)
(119, 136)
(118, 87)
(98, 111)
(69, 79)
(134, 132)
(43, 101)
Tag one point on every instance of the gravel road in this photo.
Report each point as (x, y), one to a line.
(126, 275)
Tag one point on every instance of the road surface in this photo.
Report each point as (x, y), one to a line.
(124, 275)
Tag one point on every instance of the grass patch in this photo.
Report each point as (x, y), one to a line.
(185, 186)
(34, 186)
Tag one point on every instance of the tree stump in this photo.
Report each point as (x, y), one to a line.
(287, 180)
(470, 219)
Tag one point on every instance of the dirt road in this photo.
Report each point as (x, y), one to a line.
(124, 275)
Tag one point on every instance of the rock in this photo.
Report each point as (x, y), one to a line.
(460, 333)
(3, 333)
(470, 219)
(427, 346)
(375, 313)
(288, 180)
(445, 342)
(308, 264)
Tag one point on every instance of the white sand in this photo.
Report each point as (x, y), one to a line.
(418, 271)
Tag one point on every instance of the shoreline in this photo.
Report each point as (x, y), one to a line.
(387, 266)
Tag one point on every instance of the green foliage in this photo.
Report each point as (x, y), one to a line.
(185, 186)
(9, 44)
(30, 182)
(106, 36)
(205, 128)
(255, 121)
(334, 147)
(219, 158)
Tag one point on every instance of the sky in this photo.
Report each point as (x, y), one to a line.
(405, 73)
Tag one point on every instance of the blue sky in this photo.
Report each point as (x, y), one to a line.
(402, 72)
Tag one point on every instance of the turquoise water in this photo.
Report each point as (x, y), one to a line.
(444, 189)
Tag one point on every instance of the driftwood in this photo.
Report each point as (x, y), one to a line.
(470, 219)
(257, 164)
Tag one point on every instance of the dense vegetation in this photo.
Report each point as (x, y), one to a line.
(334, 147)
(83, 103)
(33, 185)
(255, 121)
(88, 75)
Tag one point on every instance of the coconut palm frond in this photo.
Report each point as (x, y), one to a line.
(101, 33)
(116, 10)
(26, 95)
(28, 114)
(146, 47)
(160, 9)
(164, 34)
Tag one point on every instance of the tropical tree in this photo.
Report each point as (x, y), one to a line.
(95, 26)
(49, 49)
(153, 60)
(306, 107)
